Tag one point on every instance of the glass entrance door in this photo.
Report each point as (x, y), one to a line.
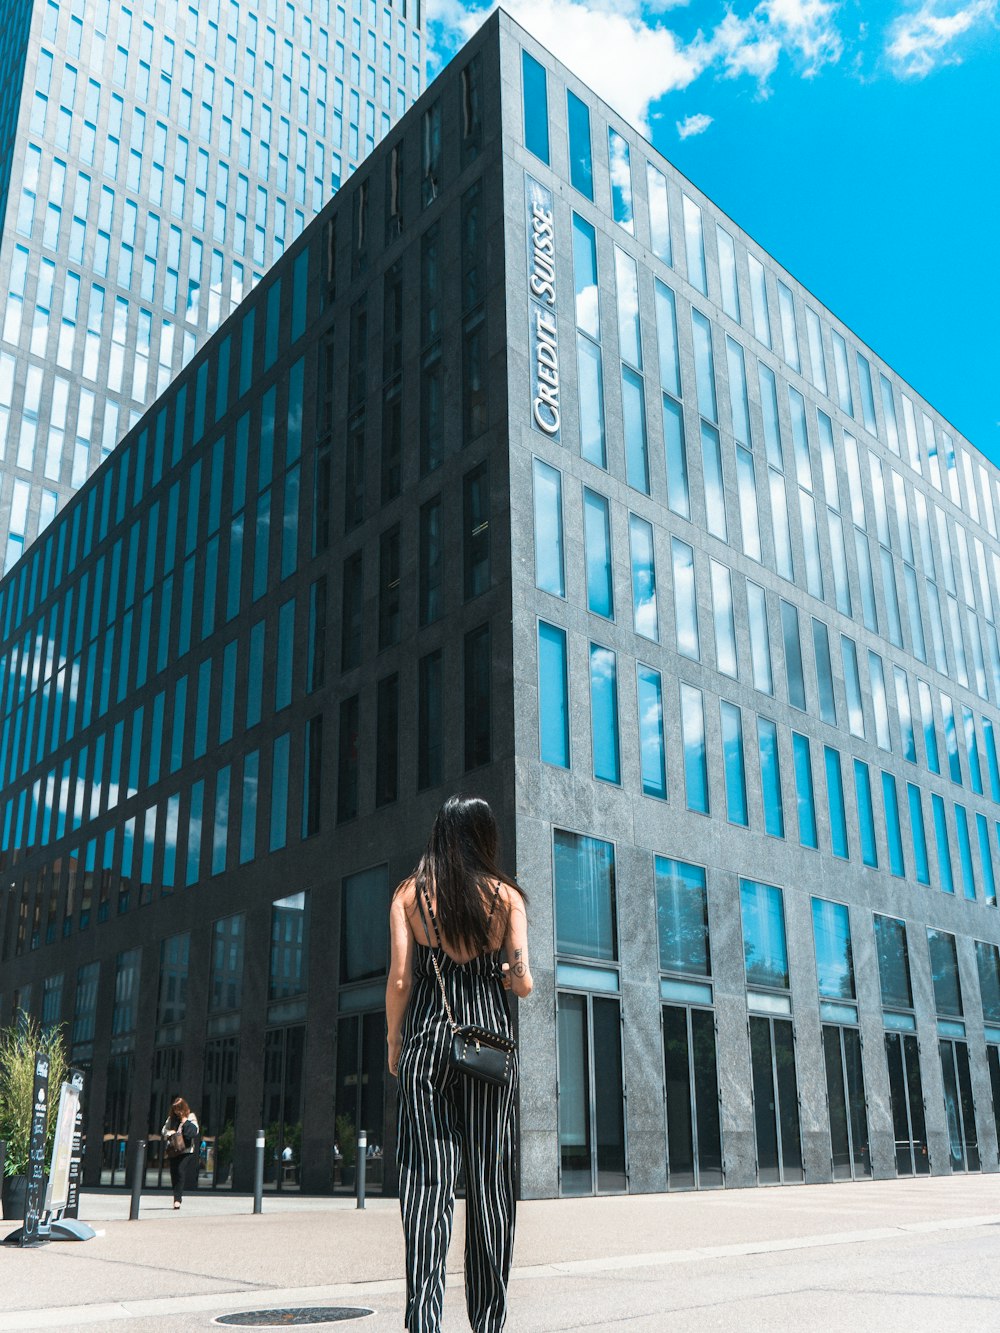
(591, 1095)
(694, 1142)
(902, 1056)
(117, 1115)
(775, 1101)
(283, 1060)
(845, 1094)
(360, 1099)
(218, 1109)
(166, 1084)
(993, 1061)
(960, 1110)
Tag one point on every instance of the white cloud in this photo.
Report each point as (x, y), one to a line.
(691, 125)
(625, 50)
(920, 41)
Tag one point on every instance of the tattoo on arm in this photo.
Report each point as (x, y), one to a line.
(519, 968)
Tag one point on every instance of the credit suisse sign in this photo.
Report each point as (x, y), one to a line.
(543, 338)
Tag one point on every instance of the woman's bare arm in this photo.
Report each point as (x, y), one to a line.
(516, 945)
(400, 982)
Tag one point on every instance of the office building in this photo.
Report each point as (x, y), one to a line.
(157, 157)
(525, 472)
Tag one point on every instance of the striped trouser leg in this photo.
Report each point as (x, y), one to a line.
(429, 1149)
(488, 1151)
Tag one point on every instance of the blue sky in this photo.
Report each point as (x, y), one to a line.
(859, 143)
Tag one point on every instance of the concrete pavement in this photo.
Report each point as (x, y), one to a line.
(881, 1255)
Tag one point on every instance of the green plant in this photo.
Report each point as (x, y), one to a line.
(347, 1138)
(224, 1144)
(18, 1046)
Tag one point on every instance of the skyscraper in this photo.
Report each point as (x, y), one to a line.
(157, 157)
(525, 472)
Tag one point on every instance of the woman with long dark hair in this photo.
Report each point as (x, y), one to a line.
(181, 1152)
(453, 918)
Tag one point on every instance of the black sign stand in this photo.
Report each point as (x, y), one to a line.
(28, 1232)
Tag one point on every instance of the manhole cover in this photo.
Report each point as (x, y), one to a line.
(315, 1314)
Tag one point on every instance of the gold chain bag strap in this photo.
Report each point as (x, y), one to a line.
(475, 1052)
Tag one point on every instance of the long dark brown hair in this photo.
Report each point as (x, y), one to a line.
(460, 869)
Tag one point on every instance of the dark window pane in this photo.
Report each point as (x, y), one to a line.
(289, 957)
(389, 579)
(478, 712)
(585, 896)
(893, 962)
(574, 1096)
(354, 472)
(364, 925)
(765, 1121)
(609, 1104)
(536, 107)
(944, 971)
(351, 612)
(840, 1147)
(347, 761)
(429, 588)
(476, 547)
(788, 1101)
(430, 740)
(680, 1142)
(706, 1083)
(387, 741)
(682, 917)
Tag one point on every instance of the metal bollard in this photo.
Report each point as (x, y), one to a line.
(258, 1174)
(138, 1178)
(362, 1165)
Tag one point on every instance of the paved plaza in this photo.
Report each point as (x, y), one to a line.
(885, 1255)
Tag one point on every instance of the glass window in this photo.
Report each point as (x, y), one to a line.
(221, 831)
(765, 954)
(758, 301)
(678, 494)
(703, 364)
(430, 742)
(659, 214)
(634, 412)
(584, 874)
(549, 574)
(627, 287)
(817, 363)
(824, 673)
(944, 972)
(866, 815)
(590, 380)
(893, 962)
(604, 713)
(478, 710)
(248, 820)
(789, 338)
(988, 963)
(652, 751)
(835, 801)
(804, 790)
(880, 705)
(735, 768)
(867, 397)
(727, 272)
(844, 396)
(536, 107)
(693, 740)
(965, 853)
(989, 879)
(364, 925)
(476, 548)
(793, 655)
(780, 530)
(944, 852)
(890, 799)
(760, 640)
(553, 695)
(919, 834)
(389, 580)
(852, 686)
(685, 600)
(929, 729)
(725, 625)
(715, 491)
(581, 166)
(770, 777)
(289, 957)
(588, 308)
(621, 181)
(951, 739)
(746, 487)
(666, 334)
(694, 246)
(644, 617)
(905, 716)
(682, 917)
(738, 391)
(834, 956)
(597, 539)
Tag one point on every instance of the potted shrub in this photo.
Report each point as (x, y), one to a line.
(18, 1046)
(224, 1153)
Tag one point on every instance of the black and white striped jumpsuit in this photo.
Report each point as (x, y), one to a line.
(446, 1118)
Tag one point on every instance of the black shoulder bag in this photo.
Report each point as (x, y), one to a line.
(475, 1052)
